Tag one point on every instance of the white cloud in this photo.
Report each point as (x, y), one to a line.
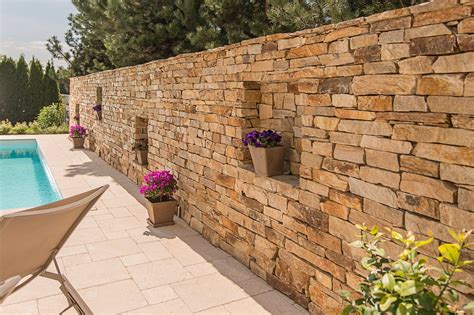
(29, 49)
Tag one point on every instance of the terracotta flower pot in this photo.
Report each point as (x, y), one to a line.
(142, 157)
(268, 161)
(78, 142)
(161, 213)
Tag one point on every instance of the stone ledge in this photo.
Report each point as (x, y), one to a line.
(287, 179)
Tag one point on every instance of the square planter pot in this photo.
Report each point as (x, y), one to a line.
(142, 157)
(161, 213)
(78, 142)
(268, 161)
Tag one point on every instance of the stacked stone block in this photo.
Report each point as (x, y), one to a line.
(377, 114)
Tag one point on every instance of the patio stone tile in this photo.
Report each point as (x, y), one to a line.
(134, 259)
(142, 235)
(182, 251)
(96, 273)
(103, 216)
(276, 303)
(204, 248)
(119, 202)
(72, 250)
(85, 236)
(112, 248)
(155, 251)
(246, 306)
(54, 304)
(116, 235)
(232, 269)
(29, 307)
(120, 224)
(175, 306)
(158, 273)
(119, 212)
(159, 294)
(76, 259)
(255, 286)
(38, 288)
(218, 310)
(208, 291)
(87, 223)
(202, 269)
(114, 297)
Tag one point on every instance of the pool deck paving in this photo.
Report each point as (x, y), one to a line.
(119, 264)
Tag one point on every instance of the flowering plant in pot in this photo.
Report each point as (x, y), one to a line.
(98, 111)
(77, 134)
(158, 190)
(141, 149)
(268, 155)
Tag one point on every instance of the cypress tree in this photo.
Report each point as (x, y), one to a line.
(35, 90)
(8, 99)
(50, 86)
(22, 94)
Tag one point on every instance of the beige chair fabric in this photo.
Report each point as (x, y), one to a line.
(30, 239)
(7, 286)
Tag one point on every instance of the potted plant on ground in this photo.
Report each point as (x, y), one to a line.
(77, 134)
(98, 111)
(268, 155)
(141, 149)
(158, 190)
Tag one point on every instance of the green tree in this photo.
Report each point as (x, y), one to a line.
(50, 85)
(21, 91)
(8, 99)
(35, 90)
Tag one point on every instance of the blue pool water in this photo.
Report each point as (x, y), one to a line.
(25, 180)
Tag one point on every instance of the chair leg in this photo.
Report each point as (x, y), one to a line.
(71, 294)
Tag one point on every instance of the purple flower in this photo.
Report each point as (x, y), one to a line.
(159, 186)
(266, 139)
(77, 131)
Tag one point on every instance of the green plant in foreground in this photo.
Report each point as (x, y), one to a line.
(408, 284)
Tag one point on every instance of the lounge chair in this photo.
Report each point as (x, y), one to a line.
(31, 239)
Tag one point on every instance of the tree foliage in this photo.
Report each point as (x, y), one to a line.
(105, 34)
(408, 284)
(25, 89)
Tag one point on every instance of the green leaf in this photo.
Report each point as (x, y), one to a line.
(386, 302)
(450, 252)
(454, 235)
(357, 244)
(407, 288)
(388, 281)
(374, 230)
(469, 306)
(424, 242)
(344, 294)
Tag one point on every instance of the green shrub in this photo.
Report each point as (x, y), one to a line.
(407, 284)
(19, 128)
(34, 128)
(5, 127)
(51, 115)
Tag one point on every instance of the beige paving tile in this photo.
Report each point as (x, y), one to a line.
(217, 310)
(202, 269)
(112, 248)
(182, 251)
(246, 306)
(114, 297)
(158, 273)
(120, 212)
(232, 269)
(142, 235)
(276, 303)
(159, 294)
(96, 273)
(72, 250)
(120, 224)
(208, 291)
(116, 235)
(23, 308)
(38, 288)
(76, 260)
(135, 259)
(255, 286)
(175, 306)
(155, 250)
(86, 236)
(54, 305)
(87, 223)
(120, 202)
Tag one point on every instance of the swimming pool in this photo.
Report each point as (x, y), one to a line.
(25, 180)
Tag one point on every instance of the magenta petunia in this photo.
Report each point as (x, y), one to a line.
(158, 186)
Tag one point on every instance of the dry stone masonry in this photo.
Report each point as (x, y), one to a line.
(377, 114)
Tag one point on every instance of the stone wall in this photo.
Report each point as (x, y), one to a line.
(377, 114)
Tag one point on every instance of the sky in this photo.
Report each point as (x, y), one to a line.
(25, 26)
